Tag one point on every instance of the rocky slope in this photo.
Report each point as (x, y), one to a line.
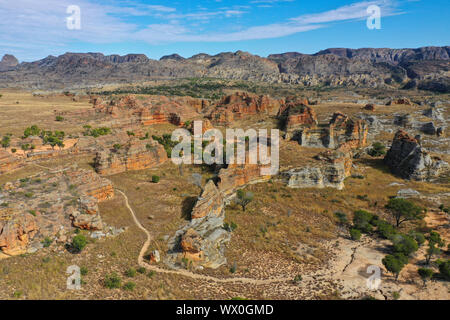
(426, 68)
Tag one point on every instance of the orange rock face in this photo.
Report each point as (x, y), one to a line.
(238, 175)
(191, 243)
(134, 155)
(296, 112)
(353, 133)
(240, 104)
(8, 162)
(16, 231)
(209, 203)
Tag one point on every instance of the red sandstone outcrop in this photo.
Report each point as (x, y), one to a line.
(134, 155)
(209, 203)
(341, 132)
(297, 113)
(16, 231)
(236, 176)
(241, 104)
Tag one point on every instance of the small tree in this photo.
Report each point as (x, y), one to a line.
(243, 198)
(403, 210)
(393, 264)
(432, 250)
(362, 220)
(79, 242)
(405, 245)
(426, 274)
(444, 269)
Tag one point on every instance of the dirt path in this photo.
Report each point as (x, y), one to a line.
(186, 273)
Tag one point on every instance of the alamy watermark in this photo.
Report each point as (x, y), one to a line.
(374, 18)
(74, 278)
(73, 22)
(220, 151)
(374, 281)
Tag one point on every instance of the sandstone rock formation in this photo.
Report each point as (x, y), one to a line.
(408, 159)
(48, 203)
(241, 104)
(236, 176)
(134, 155)
(296, 113)
(202, 241)
(341, 132)
(331, 171)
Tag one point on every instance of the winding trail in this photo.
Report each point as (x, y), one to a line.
(186, 273)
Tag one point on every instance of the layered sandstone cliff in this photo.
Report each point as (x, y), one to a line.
(134, 155)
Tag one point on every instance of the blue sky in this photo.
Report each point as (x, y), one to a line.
(33, 29)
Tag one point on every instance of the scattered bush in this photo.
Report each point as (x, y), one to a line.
(362, 221)
(141, 270)
(394, 263)
(342, 217)
(130, 273)
(243, 198)
(83, 271)
(112, 281)
(59, 118)
(405, 245)
(426, 274)
(444, 269)
(155, 179)
(129, 286)
(355, 234)
(79, 242)
(47, 242)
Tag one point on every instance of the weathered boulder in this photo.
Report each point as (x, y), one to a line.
(334, 167)
(134, 155)
(16, 231)
(404, 120)
(202, 240)
(429, 128)
(408, 159)
(341, 131)
(369, 107)
(209, 203)
(434, 114)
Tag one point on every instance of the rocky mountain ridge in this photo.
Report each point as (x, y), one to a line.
(424, 68)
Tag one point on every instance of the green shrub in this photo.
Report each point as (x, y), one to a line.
(355, 234)
(47, 242)
(385, 229)
(141, 270)
(405, 244)
(129, 286)
(79, 242)
(342, 217)
(444, 269)
(112, 281)
(83, 271)
(155, 179)
(362, 221)
(130, 273)
(394, 263)
(59, 118)
(426, 274)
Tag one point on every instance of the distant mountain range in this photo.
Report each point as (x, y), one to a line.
(425, 68)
